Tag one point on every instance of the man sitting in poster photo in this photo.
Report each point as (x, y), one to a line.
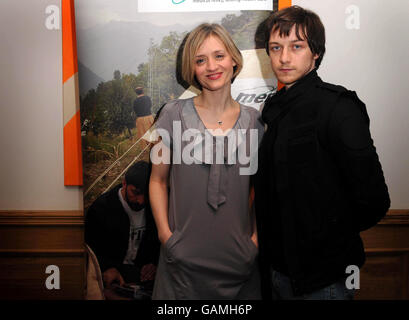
(319, 181)
(120, 229)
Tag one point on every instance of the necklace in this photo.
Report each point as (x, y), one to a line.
(219, 122)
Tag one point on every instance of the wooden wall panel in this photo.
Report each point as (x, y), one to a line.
(25, 277)
(385, 274)
(32, 240)
(23, 238)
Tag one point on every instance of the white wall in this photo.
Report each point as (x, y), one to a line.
(31, 120)
(374, 61)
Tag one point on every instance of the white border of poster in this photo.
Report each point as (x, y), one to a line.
(202, 5)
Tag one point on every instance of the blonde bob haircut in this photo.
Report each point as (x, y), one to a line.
(195, 39)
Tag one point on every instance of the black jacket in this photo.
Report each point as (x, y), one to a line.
(142, 106)
(107, 233)
(319, 183)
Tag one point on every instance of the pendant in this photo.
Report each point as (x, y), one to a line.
(220, 122)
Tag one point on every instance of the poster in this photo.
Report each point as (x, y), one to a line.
(127, 44)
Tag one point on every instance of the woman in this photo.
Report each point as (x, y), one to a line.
(207, 234)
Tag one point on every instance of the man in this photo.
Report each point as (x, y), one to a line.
(319, 182)
(144, 119)
(120, 229)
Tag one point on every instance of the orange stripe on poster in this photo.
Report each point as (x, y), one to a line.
(72, 128)
(69, 40)
(282, 4)
(72, 152)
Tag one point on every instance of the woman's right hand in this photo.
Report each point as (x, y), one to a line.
(164, 236)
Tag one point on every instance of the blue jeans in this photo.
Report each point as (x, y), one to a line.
(282, 290)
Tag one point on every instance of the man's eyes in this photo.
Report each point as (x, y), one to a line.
(278, 48)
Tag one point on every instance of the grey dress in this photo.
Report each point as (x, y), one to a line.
(210, 254)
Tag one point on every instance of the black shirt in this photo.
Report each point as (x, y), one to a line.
(142, 106)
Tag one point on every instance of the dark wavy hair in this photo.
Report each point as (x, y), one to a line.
(138, 176)
(306, 22)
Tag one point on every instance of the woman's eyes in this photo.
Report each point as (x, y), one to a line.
(203, 60)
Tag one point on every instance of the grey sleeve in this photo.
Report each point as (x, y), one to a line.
(164, 123)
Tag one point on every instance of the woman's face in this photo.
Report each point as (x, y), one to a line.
(213, 65)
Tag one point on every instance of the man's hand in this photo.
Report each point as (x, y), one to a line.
(112, 275)
(148, 272)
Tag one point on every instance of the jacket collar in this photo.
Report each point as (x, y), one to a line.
(277, 103)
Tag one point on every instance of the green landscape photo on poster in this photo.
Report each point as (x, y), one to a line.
(120, 49)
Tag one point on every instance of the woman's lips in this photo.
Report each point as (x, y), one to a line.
(214, 76)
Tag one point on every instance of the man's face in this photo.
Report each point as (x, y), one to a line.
(291, 58)
(133, 196)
